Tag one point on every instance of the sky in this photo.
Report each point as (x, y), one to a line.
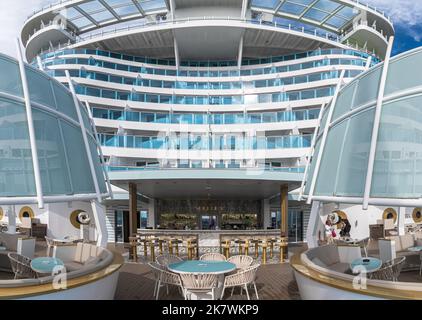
(406, 15)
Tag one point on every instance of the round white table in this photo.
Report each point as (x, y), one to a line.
(219, 268)
(366, 265)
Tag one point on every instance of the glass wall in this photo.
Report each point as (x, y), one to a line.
(62, 156)
(398, 151)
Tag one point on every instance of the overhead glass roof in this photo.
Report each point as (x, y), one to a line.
(96, 13)
(326, 14)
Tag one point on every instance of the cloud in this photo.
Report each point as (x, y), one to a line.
(407, 12)
(13, 14)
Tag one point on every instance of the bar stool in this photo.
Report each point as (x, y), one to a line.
(239, 243)
(133, 248)
(264, 246)
(271, 243)
(161, 242)
(284, 242)
(153, 242)
(143, 240)
(245, 246)
(255, 242)
(226, 248)
(190, 247)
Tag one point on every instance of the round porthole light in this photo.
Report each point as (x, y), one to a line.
(26, 212)
(78, 218)
(390, 213)
(417, 215)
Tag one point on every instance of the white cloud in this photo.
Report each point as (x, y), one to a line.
(407, 12)
(13, 14)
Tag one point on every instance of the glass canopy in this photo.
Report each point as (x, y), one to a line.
(327, 14)
(94, 14)
(342, 173)
(63, 156)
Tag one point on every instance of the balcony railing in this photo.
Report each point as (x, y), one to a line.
(205, 143)
(327, 36)
(112, 168)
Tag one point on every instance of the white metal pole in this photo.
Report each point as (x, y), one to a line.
(31, 128)
(324, 136)
(99, 148)
(84, 135)
(378, 109)
(311, 152)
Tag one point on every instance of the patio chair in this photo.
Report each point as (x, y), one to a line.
(396, 266)
(241, 261)
(199, 283)
(50, 245)
(420, 268)
(213, 257)
(164, 278)
(242, 279)
(21, 266)
(385, 273)
(364, 245)
(165, 259)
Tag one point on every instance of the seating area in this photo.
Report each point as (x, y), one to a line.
(206, 278)
(25, 261)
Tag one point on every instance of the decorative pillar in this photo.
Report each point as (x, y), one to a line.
(284, 209)
(401, 221)
(11, 216)
(133, 209)
(99, 213)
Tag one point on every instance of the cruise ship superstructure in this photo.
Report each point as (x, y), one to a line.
(206, 109)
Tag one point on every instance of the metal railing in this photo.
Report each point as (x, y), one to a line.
(307, 31)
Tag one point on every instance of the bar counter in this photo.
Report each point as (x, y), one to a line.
(211, 238)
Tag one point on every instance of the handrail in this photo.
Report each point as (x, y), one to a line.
(160, 168)
(309, 31)
(63, 2)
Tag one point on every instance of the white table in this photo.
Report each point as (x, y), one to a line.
(219, 268)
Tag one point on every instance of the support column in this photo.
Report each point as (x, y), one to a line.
(99, 214)
(151, 214)
(401, 221)
(284, 209)
(266, 212)
(133, 209)
(313, 225)
(11, 216)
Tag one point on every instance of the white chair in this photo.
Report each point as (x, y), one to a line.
(242, 279)
(165, 278)
(241, 261)
(50, 246)
(213, 257)
(165, 259)
(199, 284)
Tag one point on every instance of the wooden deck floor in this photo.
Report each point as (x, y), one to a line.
(274, 282)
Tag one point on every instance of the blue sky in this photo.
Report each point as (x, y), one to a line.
(406, 15)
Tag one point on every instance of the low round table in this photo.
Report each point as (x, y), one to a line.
(366, 265)
(415, 249)
(218, 268)
(45, 265)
